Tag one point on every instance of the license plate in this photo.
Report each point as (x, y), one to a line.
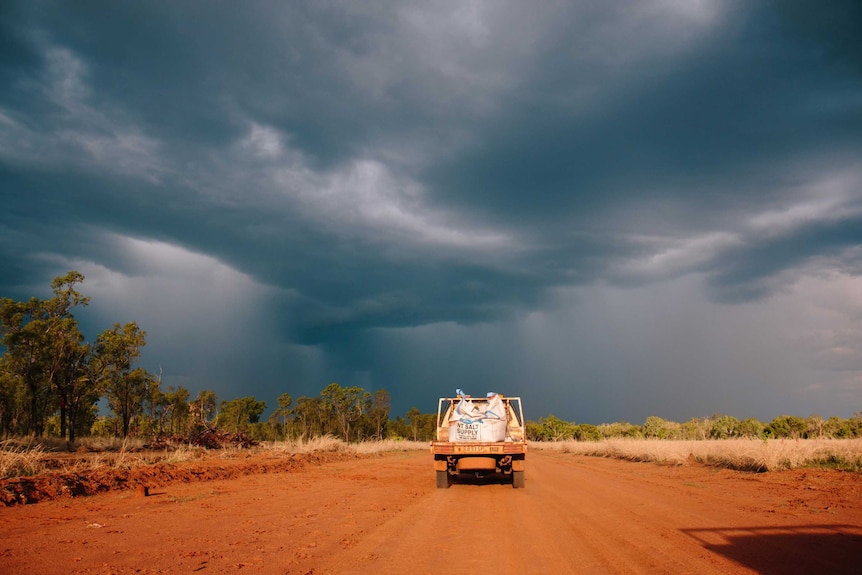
(478, 449)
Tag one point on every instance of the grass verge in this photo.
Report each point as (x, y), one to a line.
(756, 455)
(23, 458)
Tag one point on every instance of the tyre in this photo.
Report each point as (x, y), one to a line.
(518, 479)
(442, 479)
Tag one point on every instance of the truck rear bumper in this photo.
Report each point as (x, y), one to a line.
(477, 448)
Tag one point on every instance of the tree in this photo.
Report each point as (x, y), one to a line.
(68, 353)
(422, 426)
(724, 427)
(378, 413)
(814, 426)
(307, 413)
(205, 407)
(156, 408)
(282, 412)
(77, 391)
(854, 425)
(552, 428)
(12, 401)
(24, 357)
(586, 432)
(620, 429)
(118, 348)
(534, 430)
(751, 428)
(696, 428)
(657, 428)
(785, 426)
(345, 404)
(414, 416)
(170, 409)
(237, 414)
(45, 353)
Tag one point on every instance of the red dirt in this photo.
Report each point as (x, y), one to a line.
(385, 515)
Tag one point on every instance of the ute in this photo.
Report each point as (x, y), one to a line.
(479, 436)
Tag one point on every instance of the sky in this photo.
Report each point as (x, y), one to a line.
(613, 210)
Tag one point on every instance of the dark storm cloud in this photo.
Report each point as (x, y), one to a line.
(365, 167)
(743, 272)
(690, 126)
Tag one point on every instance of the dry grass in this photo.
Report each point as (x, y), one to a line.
(741, 454)
(17, 459)
(330, 443)
(110, 444)
(26, 458)
(324, 443)
(183, 453)
(388, 445)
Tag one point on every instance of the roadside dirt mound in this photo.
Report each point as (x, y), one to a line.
(53, 485)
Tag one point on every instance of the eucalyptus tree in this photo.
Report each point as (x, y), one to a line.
(117, 349)
(68, 353)
(785, 426)
(77, 391)
(237, 414)
(378, 411)
(156, 406)
(345, 404)
(308, 416)
(204, 408)
(724, 427)
(12, 402)
(45, 353)
(24, 359)
(422, 425)
(178, 408)
(282, 413)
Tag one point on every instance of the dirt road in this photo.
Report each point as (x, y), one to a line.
(384, 515)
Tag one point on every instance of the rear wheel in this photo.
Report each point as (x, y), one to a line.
(518, 479)
(442, 479)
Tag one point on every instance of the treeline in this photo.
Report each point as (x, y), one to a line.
(349, 413)
(718, 426)
(52, 381)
